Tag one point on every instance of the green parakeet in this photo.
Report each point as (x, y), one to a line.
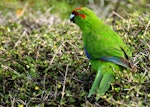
(104, 48)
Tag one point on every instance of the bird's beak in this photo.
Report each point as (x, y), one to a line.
(72, 17)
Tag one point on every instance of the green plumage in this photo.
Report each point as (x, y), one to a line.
(101, 41)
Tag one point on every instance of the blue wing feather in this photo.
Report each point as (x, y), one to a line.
(116, 60)
(87, 54)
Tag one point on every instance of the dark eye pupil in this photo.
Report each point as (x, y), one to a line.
(75, 13)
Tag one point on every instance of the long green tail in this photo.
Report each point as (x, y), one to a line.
(104, 77)
(107, 79)
(96, 83)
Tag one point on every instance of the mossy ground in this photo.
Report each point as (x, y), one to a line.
(42, 62)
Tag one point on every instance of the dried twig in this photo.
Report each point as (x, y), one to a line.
(63, 90)
(19, 40)
(118, 15)
(146, 29)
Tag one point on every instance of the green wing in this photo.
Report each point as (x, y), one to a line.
(106, 44)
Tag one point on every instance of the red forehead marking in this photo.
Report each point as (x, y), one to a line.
(78, 8)
(78, 14)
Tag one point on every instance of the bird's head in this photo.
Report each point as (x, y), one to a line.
(82, 16)
(78, 14)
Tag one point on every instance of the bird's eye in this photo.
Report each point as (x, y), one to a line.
(75, 13)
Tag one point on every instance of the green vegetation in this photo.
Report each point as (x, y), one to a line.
(42, 62)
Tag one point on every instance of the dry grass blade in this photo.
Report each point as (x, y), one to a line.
(64, 83)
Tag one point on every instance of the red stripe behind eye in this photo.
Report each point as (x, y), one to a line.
(82, 15)
(78, 14)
